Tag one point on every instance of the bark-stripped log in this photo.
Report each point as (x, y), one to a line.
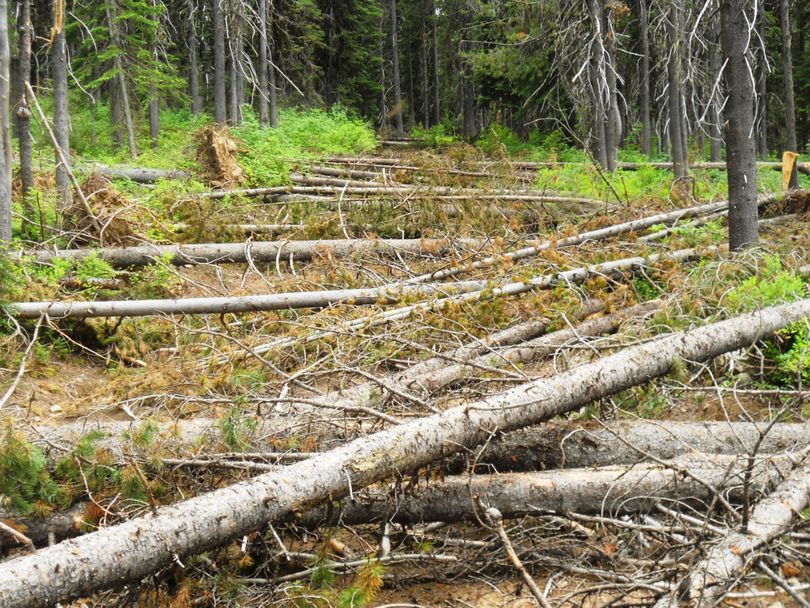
(592, 235)
(610, 490)
(525, 352)
(770, 518)
(549, 446)
(248, 228)
(414, 193)
(135, 549)
(576, 276)
(531, 165)
(441, 370)
(141, 175)
(461, 291)
(236, 304)
(259, 251)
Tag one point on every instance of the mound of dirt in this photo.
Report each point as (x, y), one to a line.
(117, 220)
(216, 152)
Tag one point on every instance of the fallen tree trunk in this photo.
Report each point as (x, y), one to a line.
(771, 518)
(137, 548)
(577, 275)
(235, 304)
(615, 490)
(260, 251)
(141, 175)
(531, 165)
(411, 193)
(375, 175)
(248, 228)
(554, 445)
(592, 235)
(525, 352)
(388, 294)
(441, 370)
(43, 531)
(606, 490)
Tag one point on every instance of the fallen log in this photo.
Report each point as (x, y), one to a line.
(771, 518)
(531, 165)
(259, 251)
(43, 531)
(135, 549)
(248, 228)
(375, 175)
(139, 174)
(425, 384)
(411, 193)
(443, 369)
(591, 235)
(462, 291)
(610, 490)
(577, 275)
(235, 304)
(555, 445)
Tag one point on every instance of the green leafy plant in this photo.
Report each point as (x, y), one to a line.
(774, 284)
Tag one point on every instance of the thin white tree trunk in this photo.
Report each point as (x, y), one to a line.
(5, 134)
(135, 549)
(462, 291)
(259, 251)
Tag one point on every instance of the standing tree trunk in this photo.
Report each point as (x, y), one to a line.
(437, 110)
(676, 134)
(272, 87)
(23, 115)
(154, 101)
(613, 127)
(595, 72)
(762, 83)
(5, 133)
(741, 149)
(264, 97)
(398, 127)
(61, 118)
(122, 82)
(193, 70)
(787, 67)
(715, 129)
(220, 97)
(236, 46)
(424, 78)
(646, 133)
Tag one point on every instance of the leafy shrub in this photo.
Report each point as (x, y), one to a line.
(267, 155)
(437, 135)
(772, 285)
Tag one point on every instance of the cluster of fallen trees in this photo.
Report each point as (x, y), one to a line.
(763, 466)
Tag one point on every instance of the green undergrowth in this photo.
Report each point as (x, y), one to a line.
(747, 282)
(268, 155)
